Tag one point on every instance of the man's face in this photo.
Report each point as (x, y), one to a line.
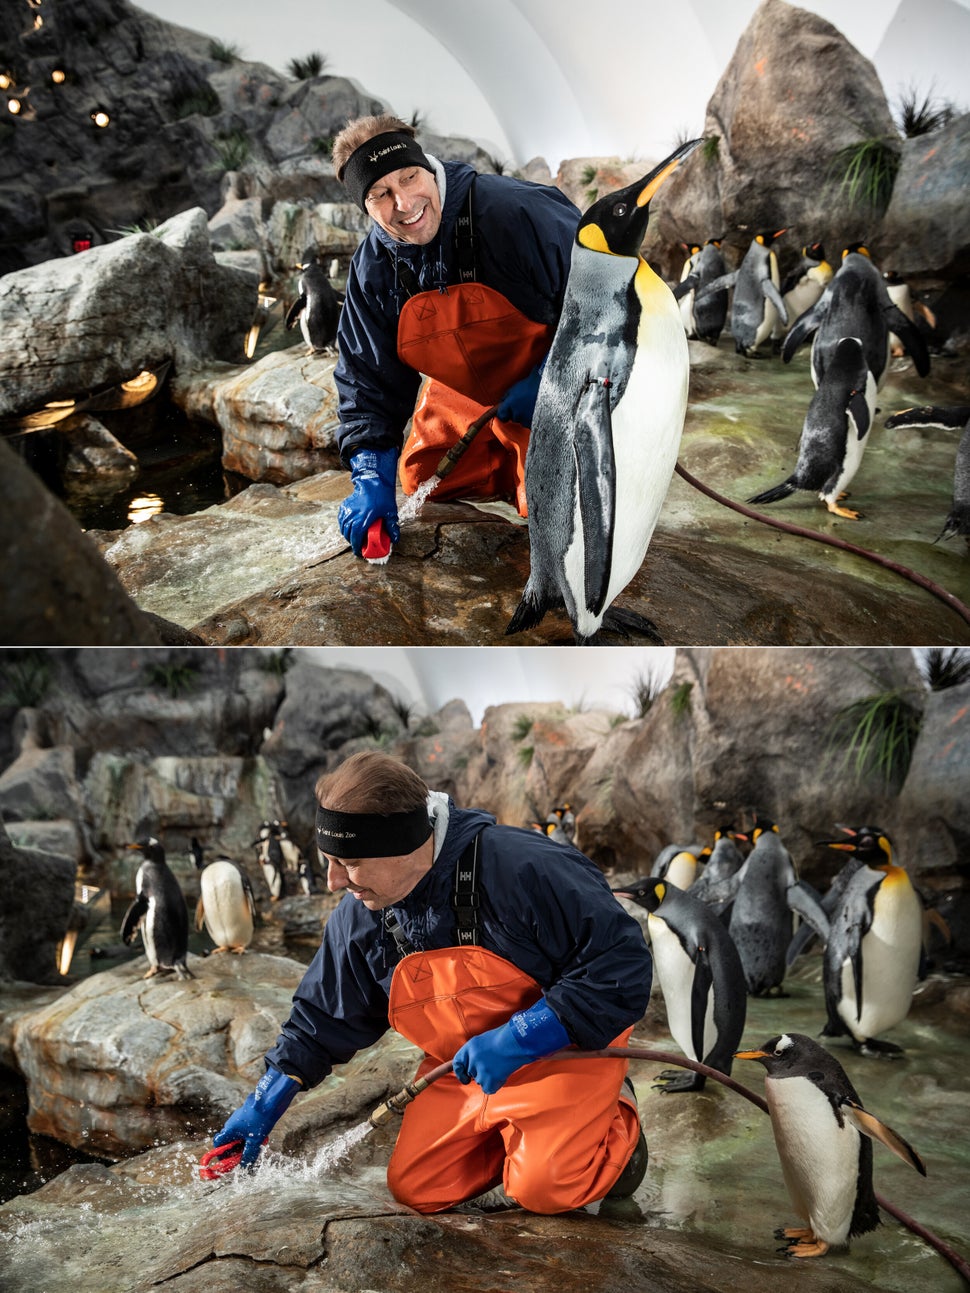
(379, 882)
(406, 204)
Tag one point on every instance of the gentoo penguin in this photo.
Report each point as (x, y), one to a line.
(704, 312)
(608, 420)
(757, 303)
(951, 418)
(822, 1134)
(292, 856)
(270, 856)
(901, 296)
(226, 906)
(317, 307)
(700, 975)
(855, 304)
(307, 878)
(874, 946)
(766, 891)
(803, 285)
(159, 911)
(835, 432)
(725, 861)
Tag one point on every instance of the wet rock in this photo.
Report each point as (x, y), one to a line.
(94, 454)
(934, 823)
(38, 894)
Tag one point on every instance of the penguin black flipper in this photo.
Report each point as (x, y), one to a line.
(295, 310)
(910, 336)
(871, 1126)
(948, 418)
(805, 902)
(700, 994)
(596, 467)
(717, 285)
(858, 408)
(804, 327)
(685, 285)
(133, 918)
(771, 293)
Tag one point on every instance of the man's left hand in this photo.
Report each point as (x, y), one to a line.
(518, 404)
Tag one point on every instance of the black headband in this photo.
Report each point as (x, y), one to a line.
(371, 835)
(378, 157)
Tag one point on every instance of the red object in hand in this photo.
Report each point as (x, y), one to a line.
(377, 547)
(217, 1162)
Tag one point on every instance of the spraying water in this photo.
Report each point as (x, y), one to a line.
(412, 505)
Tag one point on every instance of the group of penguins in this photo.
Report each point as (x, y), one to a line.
(857, 318)
(720, 926)
(720, 923)
(226, 908)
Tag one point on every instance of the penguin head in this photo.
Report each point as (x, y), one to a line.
(149, 847)
(814, 251)
(870, 844)
(616, 224)
(766, 237)
(647, 892)
(785, 1054)
(762, 825)
(856, 249)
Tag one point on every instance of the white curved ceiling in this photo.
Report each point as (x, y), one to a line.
(566, 78)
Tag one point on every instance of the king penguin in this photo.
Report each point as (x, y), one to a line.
(608, 420)
(856, 303)
(677, 864)
(874, 947)
(704, 312)
(700, 975)
(766, 891)
(757, 304)
(949, 418)
(159, 911)
(725, 861)
(227, 906)
(317, 306)
(835, 432)
(803, 285)
(823, 1136)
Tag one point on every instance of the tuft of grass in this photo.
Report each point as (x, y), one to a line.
(222, 52)
(201, 100)
(644, 689)
(866, 173)
(305, 69)
(233, 150)
(25, 682)
(876, 736)
(174, 678)
(521, 727)
(680, 699)
(943, 667)
(710, 149)
(525, 755)
(918, 114)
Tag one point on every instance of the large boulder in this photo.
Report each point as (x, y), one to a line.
(38, 895)
(124, 307)
(772, 138)
(933, 810)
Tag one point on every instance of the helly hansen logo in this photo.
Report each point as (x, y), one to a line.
(465, 876)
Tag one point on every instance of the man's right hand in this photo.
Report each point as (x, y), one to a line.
(253, 1122)
(372, 473)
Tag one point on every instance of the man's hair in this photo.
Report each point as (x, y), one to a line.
(371, 783)
(358, 132)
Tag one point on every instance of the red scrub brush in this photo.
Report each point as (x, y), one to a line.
(219, 1161)
(377, 547)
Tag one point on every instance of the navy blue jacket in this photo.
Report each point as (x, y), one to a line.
(543, 906)
(524, 235)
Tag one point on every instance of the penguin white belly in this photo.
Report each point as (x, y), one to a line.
(890, 962)
(854, 447)
(819, 1159)
(227, 915)
(771, 320)
(647, 424)
(675, 974)
(148, 932)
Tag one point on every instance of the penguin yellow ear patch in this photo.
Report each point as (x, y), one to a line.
(592, 236)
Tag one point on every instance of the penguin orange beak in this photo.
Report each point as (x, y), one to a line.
(845, 846)
(750, 1055)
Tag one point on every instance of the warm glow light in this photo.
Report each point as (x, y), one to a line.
(6, 81)
(100, 118)
(38, 22)
(58, 77)
(59, 404)
(144, 507)
(65, 951)
(14, 106)
(252, 337)
(145, 380)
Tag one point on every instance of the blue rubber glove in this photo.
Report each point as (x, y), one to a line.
(259, 1115)
(372, 474)
(491, 1058)
(518, 404)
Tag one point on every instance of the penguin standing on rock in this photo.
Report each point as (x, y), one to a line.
(701, 978)
(159, 912)
(227, 906)
(270, 855)
(874, 948)
(608, 420)
(823, 1136)
(835, 432)
(317, 307)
